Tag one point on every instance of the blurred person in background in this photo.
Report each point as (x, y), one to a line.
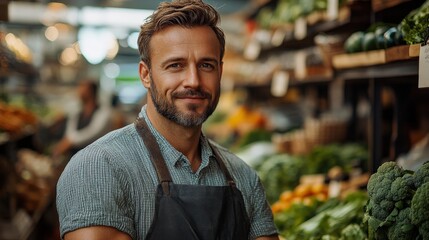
(161, 177)
(87, 124)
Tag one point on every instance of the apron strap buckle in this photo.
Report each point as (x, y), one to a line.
(166, 187)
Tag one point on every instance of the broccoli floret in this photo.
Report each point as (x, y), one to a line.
(380, 187)
(420, 210)
(402, 228)
(383, 178)
(383, 210)
(402, 188)
(421, 175)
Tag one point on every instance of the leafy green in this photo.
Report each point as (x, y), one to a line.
(415, 25)
(279, 173)
(332, 221)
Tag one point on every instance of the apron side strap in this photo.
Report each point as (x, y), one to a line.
(154, 151)
(222, 166)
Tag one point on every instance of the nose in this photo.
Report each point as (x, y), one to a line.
(192, 78)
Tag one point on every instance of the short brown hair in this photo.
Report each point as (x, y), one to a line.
(185, 13)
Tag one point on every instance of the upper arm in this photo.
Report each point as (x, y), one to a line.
(96, 233)
(91, 192)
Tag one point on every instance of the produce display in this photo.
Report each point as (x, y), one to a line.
(397, 206)
(412, 29)
(377, 36)
(288, 11)
(281, 172)
(14, 119)
(334, 218)
(414, 26)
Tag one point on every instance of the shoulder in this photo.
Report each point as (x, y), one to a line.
(235, 164)
(109, 151)
(226, 154)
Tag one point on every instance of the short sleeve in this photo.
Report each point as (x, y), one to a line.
(92, 191)
(261, 219)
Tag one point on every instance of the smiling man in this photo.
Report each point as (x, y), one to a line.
(161, 178)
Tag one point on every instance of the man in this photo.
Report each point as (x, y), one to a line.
(161, 178)
(87, 124)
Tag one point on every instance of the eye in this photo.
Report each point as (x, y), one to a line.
(207, 66)
(174, 66)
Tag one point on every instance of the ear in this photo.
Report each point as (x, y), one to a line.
(144, 74)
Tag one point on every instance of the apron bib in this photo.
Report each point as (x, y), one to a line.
(193, 212)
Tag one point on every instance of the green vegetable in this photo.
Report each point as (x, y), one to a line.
(379, 38)
(279, 173)
(328, 237)
(369, 42)
(415, 24)
(386, 188)
(253, 136)
(420, 210)
(354, 42)
(390, 37)
(402, 228)
(397, 205)
(332, 221)
(353, 232)
(323, 158)
(421, 176)
(296, 214)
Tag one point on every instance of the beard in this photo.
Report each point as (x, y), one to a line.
(191, 118)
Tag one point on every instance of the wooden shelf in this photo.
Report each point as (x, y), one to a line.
(379, 5)
(388, 70)
(376, 57)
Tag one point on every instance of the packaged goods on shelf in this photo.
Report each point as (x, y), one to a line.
(14, 119)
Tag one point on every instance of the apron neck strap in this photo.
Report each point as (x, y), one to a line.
(222, 165)
(156, 158)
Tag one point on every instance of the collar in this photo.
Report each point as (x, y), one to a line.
(171, 155)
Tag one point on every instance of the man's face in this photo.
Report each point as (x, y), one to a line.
(184, 79)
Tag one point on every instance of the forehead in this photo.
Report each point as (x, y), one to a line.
(198, 41)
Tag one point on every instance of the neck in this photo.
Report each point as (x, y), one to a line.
(185, 139)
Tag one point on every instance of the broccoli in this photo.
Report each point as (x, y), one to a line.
(420, 210)
(402, 228)
(421, 175)
(390, 191)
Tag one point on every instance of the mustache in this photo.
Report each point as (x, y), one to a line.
(191, 93)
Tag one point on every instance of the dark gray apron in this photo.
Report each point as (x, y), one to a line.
(193, 211)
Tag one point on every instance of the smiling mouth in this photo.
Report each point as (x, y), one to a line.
(192, 94)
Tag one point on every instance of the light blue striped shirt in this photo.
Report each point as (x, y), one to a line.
(112, 183)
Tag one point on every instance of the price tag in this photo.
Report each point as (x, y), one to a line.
(300, 28)
(278, 37)
(252, 50)
(280, 83)
(332, 9)
(300, 64)
(424, 67)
